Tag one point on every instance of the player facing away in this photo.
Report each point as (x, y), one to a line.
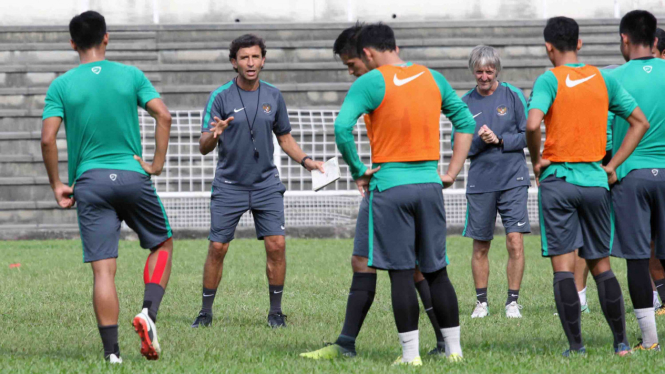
(401, 220)
(638, 196)
(363, 284)
(108, 179)
(239, 119)
(574, 198)
(498, 179)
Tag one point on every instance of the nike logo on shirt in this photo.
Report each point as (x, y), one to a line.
(238, 110)
(476, 115)
(401, 82)
(572, 83)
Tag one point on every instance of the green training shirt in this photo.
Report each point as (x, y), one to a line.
(365, 95)
(97, 102)
(644, 79)
(585, 174)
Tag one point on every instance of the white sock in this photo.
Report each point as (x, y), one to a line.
(582, 295)
(655, 299)
(451, 336)
(646, 318)
(410, 345)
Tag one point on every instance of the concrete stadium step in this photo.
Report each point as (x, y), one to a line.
(40, 213)
(27, 165)
(20, 120)
(300, 31)
(27, 142)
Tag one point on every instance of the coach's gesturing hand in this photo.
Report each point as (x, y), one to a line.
(64, 195)
(218, 126)
(363, 182)
(487, 135)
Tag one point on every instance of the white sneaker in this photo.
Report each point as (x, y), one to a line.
(513, 310)
(145, 327)
(113, 359)
(482, 310)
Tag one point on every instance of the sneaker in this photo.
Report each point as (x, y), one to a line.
(202, 320)
(114, 359)
(585, 308)
(439, 350)
(640, 347)
(513, 310)
(455, 357)
(660, 311)
(415, 362)
(622, 350)
(482, 310)
(571, 353)
(276, 320)
(145, 327)
(329, 352)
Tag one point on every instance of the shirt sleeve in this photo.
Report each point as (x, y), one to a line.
(543, 93)
(365, 95)
(282, 125)
(54, 104)
(621, 102)
(453, 107)
(145, 91)
(516, 141)
(477, 144)
(214, 108)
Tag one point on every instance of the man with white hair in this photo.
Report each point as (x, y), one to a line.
(498, 178)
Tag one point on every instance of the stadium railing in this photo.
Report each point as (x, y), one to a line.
(186, 181)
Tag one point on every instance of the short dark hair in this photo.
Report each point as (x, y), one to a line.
(87, 29)
(563, 33)
(640, 27)
(246, 41)
(660, 34)
(378, 36)
(345, 44)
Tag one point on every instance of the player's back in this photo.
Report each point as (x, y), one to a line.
(98, 103)
(644, 79)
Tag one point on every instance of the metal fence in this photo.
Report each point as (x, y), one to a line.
(186, 181)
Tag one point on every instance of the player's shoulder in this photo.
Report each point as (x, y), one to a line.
(221, 90)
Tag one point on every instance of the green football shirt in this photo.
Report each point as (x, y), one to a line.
(644, 79)
(97, 102)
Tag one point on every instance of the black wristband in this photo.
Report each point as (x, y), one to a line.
(302, 163)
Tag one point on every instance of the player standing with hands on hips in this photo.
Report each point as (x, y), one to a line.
(239, 120)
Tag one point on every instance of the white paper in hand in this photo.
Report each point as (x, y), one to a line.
(320, 180)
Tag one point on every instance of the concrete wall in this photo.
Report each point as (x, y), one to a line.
(58, 12)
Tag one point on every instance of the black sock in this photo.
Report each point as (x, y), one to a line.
(568, 306)
(444, 298)
(611, 302)
(426, 297)
(109, 336)
(152, 297)
(660, 287)
(513, 295)
(361, 297)
(208, 298)
(276, 293)
(639, 283)
(404, 300)
(481, 294)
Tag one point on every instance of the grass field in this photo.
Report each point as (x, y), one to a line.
(47, 322)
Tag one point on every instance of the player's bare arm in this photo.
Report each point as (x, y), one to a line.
(638, 127)
(460, 152)
(208, 140)
(291, 148)
(63, 193)
(158, 110)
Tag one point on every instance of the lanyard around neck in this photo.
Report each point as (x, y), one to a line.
(256, 114)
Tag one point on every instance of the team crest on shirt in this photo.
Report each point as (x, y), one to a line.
(648, 69)
(501, 110)
(97, 69)
(266, 108)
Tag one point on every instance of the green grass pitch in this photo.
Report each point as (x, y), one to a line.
(47, 322)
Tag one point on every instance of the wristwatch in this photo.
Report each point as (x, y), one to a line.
(302, 163)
